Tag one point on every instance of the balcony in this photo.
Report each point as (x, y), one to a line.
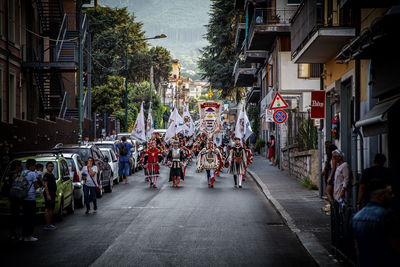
(253, 95)
(240, 35)
(255, 56)
(316, 37)
(244, 75)
(266, 24)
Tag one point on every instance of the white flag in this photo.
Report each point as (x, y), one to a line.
(188, 121)
(150, 124)
(175, 125)
(139, 131)
(243, 127)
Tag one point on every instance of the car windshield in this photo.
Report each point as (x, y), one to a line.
(71, 164)
(55, 170)
(84, 153)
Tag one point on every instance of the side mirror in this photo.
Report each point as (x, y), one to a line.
(106, 159)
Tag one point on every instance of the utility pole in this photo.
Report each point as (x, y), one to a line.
(80, 63)
(151, 82)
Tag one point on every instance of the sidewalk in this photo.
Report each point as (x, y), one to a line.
(299, 207)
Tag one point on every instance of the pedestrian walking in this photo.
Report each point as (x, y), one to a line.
(152, 157)
(208, 159)
(124, 148)
(249, 158)
(253, 141)
(29, 203)
(15, 171)
(237, 162)
(329, 174)
(89, 175)
(342, 178)
(271, 150)
(375, 173)
(175, 162)
(373, 241)
(50, 189)
(114, 135)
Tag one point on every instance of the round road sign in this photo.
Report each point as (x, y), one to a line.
(279, 116)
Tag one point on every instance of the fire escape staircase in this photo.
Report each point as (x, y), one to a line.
(62, 57)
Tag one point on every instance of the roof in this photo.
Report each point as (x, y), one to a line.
(103, 142)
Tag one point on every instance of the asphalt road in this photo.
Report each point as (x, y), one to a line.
(189, 226)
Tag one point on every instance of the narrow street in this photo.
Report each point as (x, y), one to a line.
(189, 226)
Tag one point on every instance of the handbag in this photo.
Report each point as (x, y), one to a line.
(98, 186)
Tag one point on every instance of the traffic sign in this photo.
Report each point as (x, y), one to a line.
(278, 102)
(269, 115)
(280, 116)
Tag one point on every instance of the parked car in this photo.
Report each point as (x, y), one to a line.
(104, 177)
(75, 165)
(107, 144)
(64, 193)
(113, 161)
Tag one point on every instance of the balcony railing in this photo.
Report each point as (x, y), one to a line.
(271, 16)
(310, 16)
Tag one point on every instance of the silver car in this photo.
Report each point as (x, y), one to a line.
(75, 166)
(113, 161)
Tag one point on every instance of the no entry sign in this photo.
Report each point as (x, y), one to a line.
(280, 116)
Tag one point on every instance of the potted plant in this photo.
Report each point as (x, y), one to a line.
(274, 19)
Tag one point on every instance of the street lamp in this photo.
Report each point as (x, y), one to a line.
(127, 73)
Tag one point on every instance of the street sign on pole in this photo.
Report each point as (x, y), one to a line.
(278, 102)
(269, 115)
(280, 116)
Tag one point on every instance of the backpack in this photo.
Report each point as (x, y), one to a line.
(20, 187)
(123, 151)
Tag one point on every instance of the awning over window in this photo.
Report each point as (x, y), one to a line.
(375, 121)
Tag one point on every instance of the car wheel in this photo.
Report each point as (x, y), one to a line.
(79, 202)
(116, 181)
(109, 188)
(59, 215)
(71, 208)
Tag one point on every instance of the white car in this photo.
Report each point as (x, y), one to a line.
(75, 166)
(113, 161)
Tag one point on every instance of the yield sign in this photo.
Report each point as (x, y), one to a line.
(280, 116)
(278, 102)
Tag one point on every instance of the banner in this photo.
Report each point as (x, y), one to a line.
(210, 117)
(318, 105)
(175, 125)
(150, 124)
(188, 121)
(243, 127)
(139, 131)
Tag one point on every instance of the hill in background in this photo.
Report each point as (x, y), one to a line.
(181, 20)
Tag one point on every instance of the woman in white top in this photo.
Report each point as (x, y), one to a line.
(89, 176)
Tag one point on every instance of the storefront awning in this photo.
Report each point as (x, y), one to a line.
(375, 121)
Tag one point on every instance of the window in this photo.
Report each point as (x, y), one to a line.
(270, 76)
(11, 20)
(12, 97)
(1, 18)
(307, 71)
(1, 92)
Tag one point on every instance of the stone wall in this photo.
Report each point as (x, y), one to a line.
(300, 164)
(42, 134)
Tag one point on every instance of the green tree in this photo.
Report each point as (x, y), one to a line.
(113, 33)
(218, 58)
(161, 60)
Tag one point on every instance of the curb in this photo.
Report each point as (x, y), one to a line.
(320, 255)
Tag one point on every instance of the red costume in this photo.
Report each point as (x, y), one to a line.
(249, 161)
(151, 159)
